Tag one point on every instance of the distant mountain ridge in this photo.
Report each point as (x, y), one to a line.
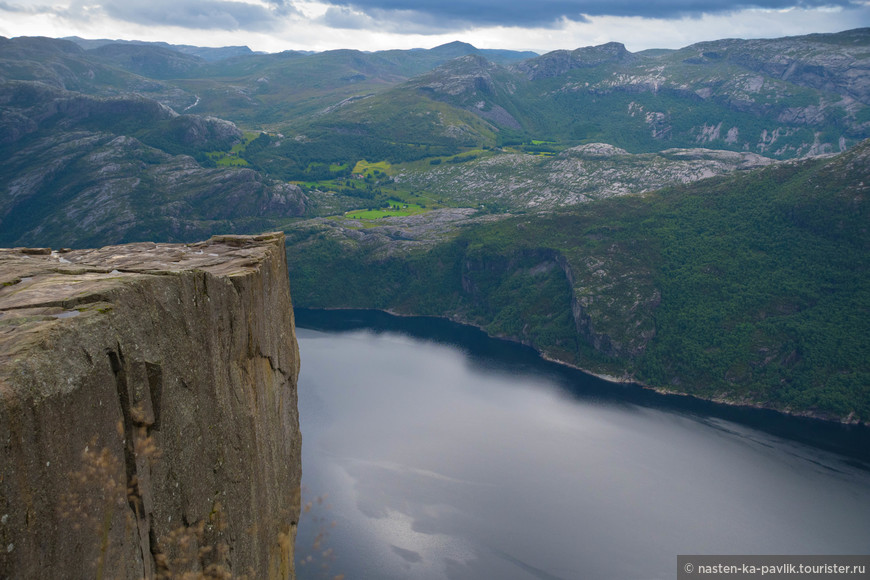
(206, 53)
(783, 98)
(515, 193)
(319, 114)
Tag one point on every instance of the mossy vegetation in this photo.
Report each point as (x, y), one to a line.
(366, 169)
(392, 210)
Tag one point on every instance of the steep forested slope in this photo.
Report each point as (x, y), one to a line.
(752, 288)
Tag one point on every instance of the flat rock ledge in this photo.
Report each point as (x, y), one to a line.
(148, 411)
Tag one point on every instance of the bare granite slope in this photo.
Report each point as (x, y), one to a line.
(148, 418)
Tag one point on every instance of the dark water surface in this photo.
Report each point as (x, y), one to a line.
(445, 454)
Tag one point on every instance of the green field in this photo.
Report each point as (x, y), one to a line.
(365, 168)
(395, 210)
(225, 160)
(232, 158)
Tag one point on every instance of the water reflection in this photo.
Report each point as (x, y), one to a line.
(498, 356)
(460, 461)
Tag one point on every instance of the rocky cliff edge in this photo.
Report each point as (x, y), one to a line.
(148, 417)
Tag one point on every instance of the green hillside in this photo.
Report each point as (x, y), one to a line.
(751, 289)
(769, 97)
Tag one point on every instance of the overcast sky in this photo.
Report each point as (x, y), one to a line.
(539, 25)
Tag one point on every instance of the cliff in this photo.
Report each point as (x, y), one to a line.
(148, 418)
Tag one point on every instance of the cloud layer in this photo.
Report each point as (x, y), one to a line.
(545, 13)
(194, 14)
(203, 14)
(541, 25)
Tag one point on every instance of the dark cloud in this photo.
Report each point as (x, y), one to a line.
(200, 14)
(33, 8)
(28, 8)
(440, 14)
(392, 21)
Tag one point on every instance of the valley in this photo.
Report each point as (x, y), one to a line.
(694, 220)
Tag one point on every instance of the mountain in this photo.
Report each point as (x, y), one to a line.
(34, 107)
(750, 289)
(524, 182)
(65, 65)
(78, 170)
(560, 62)
(422, 60)
(693, 219)
(204, 52)
(265, 88)
(150, 61)
(782, 98)
(277, 88)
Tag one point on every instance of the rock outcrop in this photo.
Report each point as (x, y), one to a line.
(559, 62)
(573, 176)
(75, 181)
(148, 417)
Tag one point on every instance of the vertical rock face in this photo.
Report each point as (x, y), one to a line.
(148, 417)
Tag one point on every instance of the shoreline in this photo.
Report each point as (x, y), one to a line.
(615, 379)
